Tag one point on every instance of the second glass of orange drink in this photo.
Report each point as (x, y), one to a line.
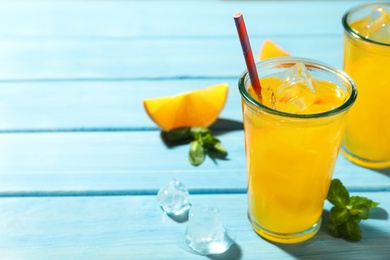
(367, 61)
(293, 132)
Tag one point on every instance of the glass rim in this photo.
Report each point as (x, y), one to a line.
(312, 63)
(350, 31)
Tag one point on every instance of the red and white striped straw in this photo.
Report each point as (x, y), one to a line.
(248, 55)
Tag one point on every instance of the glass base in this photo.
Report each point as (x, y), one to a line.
(364, 162)
(288, 238)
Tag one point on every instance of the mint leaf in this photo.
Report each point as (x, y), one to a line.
(361, 206)
(338, 194)
(179, 134)
(197, 132)
(355, 218)
(333, 229)
(357, 200)
(361, 211)
(196, 154)
(374, 204)
(220, 148)
(218, 151)
(350, 230)
(209, 141)
(338, 215)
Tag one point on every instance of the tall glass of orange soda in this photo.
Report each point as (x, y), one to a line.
(367, 61)
(293, 134)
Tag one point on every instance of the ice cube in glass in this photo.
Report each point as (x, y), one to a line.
(296, 91)
(375, 26)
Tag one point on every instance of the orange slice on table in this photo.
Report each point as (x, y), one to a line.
(199, 107)
(269, 49)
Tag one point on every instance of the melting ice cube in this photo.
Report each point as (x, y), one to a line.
(174, 198)
(375, 26)
(205, 233)
(296, 93)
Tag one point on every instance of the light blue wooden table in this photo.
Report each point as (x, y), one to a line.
(80, 161)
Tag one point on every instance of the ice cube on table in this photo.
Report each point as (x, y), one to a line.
(297, 90)
(205, 233)
(375, 26)
(174, 198)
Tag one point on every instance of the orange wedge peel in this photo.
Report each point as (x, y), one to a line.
(200, 107)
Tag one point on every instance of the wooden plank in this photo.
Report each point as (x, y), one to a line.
(150, 58)
(94, 105)
(167, 18)
(114, 101)
(134, 227)
(104, 163)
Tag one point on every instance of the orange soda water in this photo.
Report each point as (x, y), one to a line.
(292, 139)
(367, 61)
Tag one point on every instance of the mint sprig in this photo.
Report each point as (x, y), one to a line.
(347, 212)
(202, 143)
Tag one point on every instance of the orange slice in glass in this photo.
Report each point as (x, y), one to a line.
(269, 49)
(199, 107)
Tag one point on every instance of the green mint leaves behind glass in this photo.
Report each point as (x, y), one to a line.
(202, 143)
(347, 212)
